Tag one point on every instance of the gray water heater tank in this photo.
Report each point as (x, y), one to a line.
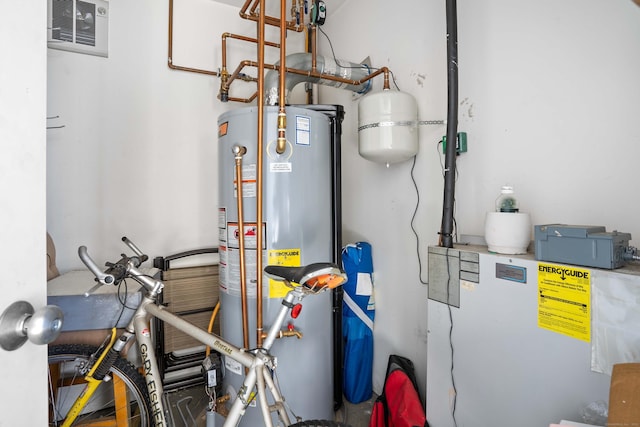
(297, 230)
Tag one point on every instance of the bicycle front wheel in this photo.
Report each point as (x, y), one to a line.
(319, 423)
(122, 401)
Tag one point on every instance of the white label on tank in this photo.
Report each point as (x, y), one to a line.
(232, 366)
(303, 130)
(248, 181)
(280, 167)
(250, 235)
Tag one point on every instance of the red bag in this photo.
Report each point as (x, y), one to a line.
(400, 404)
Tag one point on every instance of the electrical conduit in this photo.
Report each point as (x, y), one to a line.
(446, 230)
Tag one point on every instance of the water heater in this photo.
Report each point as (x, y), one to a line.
(298, 228)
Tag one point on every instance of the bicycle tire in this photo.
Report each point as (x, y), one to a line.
(319, 423)
(65, 362)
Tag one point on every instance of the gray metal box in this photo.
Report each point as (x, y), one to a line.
(590, 246)
(100, 310)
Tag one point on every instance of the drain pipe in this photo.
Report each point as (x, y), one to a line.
(446, 230)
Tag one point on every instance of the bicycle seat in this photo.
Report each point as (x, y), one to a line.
(314, 277)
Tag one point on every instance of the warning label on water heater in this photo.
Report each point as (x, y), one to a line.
(564, 300)
(288, 257)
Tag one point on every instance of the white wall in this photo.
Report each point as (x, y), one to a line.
(23, 389)
(548, 97)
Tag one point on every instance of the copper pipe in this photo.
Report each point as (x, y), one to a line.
(307, 73)
(170, 54)
(286, 334)
(315, 74)
(225, 36)
(314, 59)
(259, 237)
(247, 63)
(304, 73)
(225, 80)
(254, 7)
(281, 144)
(239, 151)
(220, 407)
(245, 100)
(260, 16)
(245, 6)
(307, 48)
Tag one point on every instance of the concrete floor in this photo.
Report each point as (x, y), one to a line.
(189, 409)
(356, 415)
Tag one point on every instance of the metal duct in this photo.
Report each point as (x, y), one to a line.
(323, 66)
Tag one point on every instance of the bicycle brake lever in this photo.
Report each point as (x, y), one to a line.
(141, 256)
(133, 247)
(92, 290)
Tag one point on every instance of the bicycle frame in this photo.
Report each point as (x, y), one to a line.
(258, 363)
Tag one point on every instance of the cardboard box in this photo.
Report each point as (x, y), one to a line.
(624, 396)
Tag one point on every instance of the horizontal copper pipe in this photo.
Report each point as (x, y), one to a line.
(225, 36)
(245, 100)
(245, 63)
(191, 70)
(314, 74)
(307, 73)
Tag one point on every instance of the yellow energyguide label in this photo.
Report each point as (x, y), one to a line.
(288, 257)
(564, 300)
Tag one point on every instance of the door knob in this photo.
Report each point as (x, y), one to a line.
(20, 322)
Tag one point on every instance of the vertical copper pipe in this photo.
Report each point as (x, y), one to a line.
(386, 79)
(239, 151)
(281, 144)
(170, 41)
(224, 50)
(255, 5)
(314, 58)
(259, 236)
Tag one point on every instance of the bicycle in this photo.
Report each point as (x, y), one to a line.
(98, 386)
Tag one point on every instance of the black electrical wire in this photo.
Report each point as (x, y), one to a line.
(122, 301)
(453, 381)
(413, 217)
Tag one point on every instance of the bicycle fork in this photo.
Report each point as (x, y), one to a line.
(95, 377)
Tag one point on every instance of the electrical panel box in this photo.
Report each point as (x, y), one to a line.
(590, 246)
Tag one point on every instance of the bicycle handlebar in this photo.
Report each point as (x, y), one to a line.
(115, 272)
